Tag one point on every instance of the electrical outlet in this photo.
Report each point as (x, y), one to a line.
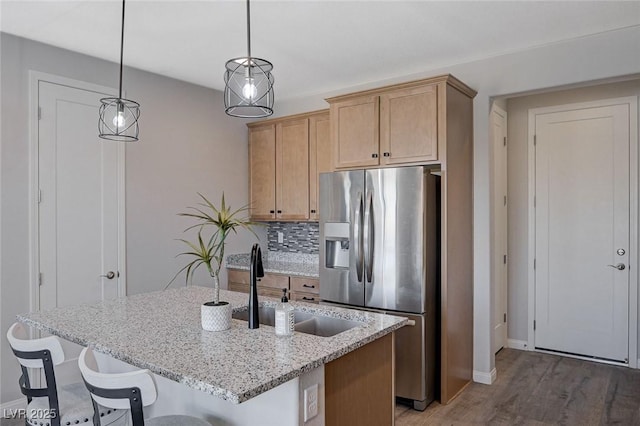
(310, 402)
(280, 237)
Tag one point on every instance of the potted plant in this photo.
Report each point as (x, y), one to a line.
(209, 251)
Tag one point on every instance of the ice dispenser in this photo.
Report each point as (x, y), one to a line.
(336, 241)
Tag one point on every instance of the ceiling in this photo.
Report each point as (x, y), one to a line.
(315, 46)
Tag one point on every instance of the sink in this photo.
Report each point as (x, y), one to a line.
(266, 314)
(318, 325)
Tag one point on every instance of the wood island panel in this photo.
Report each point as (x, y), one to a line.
(369, 372)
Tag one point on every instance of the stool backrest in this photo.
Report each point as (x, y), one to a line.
(20, 342)
(131, 390)
(42, 354)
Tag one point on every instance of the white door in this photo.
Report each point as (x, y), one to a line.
(582, 231)
(78, 207)
(499, 138)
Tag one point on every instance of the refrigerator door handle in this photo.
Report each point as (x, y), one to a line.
(369, 236)
(357, 235)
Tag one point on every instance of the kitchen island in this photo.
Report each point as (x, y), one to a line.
(236, 375)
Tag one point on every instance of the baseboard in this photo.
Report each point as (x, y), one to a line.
(517, 344)
(485, 378)
(9, 409)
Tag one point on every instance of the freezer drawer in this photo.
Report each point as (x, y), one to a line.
(415, 362)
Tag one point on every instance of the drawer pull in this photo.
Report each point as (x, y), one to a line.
(308, 298)
(308, 286)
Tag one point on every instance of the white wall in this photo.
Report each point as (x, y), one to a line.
(518, 169)
(600, 56)
(187, 144)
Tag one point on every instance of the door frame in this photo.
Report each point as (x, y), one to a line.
(35, 77)
(632, 101)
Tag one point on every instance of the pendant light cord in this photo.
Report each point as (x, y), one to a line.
(248, 33)
(121, 50)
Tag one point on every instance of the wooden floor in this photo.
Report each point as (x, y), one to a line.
(539, 389)
(535, 389)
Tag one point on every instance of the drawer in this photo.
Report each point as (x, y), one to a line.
(305, 285)
(274, 281)
(298, 296)
(271, 292)
(243, 288)
(269, 280)
(262, 291)
(238, 277)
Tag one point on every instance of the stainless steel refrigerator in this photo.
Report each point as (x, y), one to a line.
(379, 250)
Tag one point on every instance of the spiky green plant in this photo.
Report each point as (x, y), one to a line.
(210, 251)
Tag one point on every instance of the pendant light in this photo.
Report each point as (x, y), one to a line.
(248, 91)
(119, 117)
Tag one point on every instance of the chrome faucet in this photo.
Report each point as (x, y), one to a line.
(255, 272)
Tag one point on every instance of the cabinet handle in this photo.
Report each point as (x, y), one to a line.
(279, 211)
(387, 154)
(313, 211)
(374, 155)
(308, 286)
(272, 211)
(308, 298)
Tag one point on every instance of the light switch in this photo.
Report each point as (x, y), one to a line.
(280, 237)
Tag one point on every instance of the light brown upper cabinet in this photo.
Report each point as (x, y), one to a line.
(262, 171)
(292, 170)
(355, 131)
(404, 124)
(319, 158)
(409, 125)
(285, 157)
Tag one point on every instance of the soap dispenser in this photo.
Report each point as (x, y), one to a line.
(284, 316)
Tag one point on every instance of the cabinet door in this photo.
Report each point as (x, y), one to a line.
(355, 132)
(292, 170)
(262, 171)
(242, 288)
(409, 125)
(319, 159)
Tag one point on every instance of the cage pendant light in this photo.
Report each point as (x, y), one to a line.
(248, 91)
(119, 117)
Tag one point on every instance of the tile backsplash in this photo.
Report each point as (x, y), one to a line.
(297, 237)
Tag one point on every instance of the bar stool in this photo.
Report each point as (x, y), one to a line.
(51, 405)
(129, 391)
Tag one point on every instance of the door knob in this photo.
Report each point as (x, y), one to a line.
(619, 266)
(110, 275)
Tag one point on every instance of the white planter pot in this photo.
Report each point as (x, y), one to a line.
(216, 317)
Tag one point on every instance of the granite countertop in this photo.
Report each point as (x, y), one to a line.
(161, 331)
(275, 262)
